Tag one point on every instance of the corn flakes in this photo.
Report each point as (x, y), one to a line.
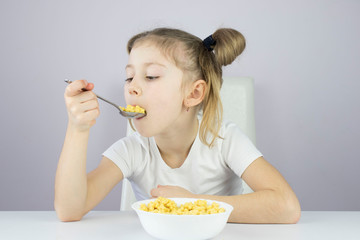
(130, 108)
(168, 206)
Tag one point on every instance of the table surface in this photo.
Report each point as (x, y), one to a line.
(126, 225)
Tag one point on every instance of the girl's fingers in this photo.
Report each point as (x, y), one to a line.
(89, 86)
(89, 105)
(86, 119)
(82, 104)
(79, 108)
(91, 115)
(84, 97)
(75, 88)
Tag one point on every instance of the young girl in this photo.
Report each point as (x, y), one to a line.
(176, 152)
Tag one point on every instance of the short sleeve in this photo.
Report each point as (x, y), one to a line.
(124, 154)
(237, 149)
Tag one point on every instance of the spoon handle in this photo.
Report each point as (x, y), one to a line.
(105, 100)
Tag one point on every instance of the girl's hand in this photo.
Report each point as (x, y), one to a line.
(82, 106)
(171, 192)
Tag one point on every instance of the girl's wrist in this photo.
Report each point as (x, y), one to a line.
(78, 129)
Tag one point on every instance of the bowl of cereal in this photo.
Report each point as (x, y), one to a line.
(182, 218)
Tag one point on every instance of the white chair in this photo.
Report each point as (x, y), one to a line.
(237, 95)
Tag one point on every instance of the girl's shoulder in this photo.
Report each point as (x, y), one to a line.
(230, 133)
(229, 128)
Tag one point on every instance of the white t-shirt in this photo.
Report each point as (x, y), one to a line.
(213, 171)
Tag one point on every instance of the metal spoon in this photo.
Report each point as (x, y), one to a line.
(122, 112)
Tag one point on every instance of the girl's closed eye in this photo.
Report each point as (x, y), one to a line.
(147, 77)
(152, 77)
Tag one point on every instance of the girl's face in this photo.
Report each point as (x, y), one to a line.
(154, 83)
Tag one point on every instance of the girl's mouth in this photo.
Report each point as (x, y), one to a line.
(140, 118)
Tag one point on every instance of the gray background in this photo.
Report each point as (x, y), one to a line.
(303, 55)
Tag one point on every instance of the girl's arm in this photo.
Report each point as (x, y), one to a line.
(273, 200)
(76, 193)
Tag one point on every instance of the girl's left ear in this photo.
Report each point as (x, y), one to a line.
(197, 93)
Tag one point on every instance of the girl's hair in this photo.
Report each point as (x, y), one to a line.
(199, 62)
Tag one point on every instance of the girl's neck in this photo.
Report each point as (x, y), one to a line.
(175, 146)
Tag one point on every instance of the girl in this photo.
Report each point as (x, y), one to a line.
(176, 152)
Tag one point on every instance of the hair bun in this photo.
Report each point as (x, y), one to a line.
(229, 44)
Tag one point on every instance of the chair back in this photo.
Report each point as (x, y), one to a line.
(237, 96)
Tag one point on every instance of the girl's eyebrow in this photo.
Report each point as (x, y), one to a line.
(146, 65)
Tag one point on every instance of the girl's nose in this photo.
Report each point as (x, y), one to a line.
(134, 90)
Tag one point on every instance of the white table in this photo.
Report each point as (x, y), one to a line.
(126, 225)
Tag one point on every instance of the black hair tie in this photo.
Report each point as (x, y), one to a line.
(209, 42)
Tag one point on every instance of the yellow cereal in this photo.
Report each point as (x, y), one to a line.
(143, 207)
(130, 108)
(168, 206)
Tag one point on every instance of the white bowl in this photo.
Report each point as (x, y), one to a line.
(168, 226)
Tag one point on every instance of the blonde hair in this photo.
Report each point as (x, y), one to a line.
(189, 54)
